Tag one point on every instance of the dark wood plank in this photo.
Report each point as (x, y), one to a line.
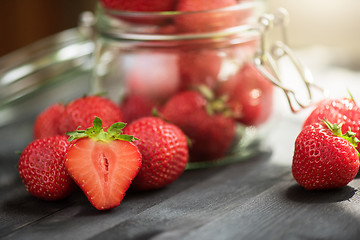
(195, 192)
(198, 206)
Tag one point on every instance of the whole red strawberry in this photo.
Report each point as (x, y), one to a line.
(81, 112)
(207, 20)
(42, 170)
(137, 106)
(154, 75)
(47, 122)
(250, 95)
(199, 67)
(164, 150)
(325, 158)
(204, 120)
(341, 110)
(103, 164)
(140, 5)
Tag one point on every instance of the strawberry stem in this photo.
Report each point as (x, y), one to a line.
(351, 96)
(349, 135)
(114, 132)
(214, 104)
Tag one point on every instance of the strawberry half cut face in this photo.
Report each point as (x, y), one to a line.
(103, 164)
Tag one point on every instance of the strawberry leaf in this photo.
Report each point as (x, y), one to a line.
(76, 135)
(116, 127)
(97, 123)
(125, 137)
(349, 135)
(97, 132)
(351, 96)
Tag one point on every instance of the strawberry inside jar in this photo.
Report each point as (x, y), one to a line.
(191, 62)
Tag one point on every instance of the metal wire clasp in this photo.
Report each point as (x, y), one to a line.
(267, 61)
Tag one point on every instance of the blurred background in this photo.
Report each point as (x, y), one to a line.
(25, 21)
(333, 24)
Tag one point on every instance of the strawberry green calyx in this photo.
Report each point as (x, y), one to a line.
(214, 104)
(351, 96)
(114, 132)
(349, 135)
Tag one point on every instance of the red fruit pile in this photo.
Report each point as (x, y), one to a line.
(59, 118)
(140, 5)
(204, 119)
(209, 118)
(199, 22)
(197, 98)
(250, 95)
(153, 76)
(324, 157)
(99, 158)
(195, 13)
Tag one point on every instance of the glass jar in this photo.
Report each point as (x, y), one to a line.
(145, 60)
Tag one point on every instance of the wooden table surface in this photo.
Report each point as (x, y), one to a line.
(253, 199)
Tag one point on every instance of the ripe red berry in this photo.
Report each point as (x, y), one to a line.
(205, 21)
(164, 150)
(199, 67)
(204, 120)
(140, 5)
(42, 169)
(325, 158)
(136, 106)
(341, 110)
(81, 112)
(47, 122)
(250, 95)
(153, 76)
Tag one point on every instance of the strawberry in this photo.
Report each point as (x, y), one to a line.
(341, 110)
(203, 21)
(140, 5)
(250, 95)
(153, 75)
(164, 150)
(47, 122)
(199, 67)
(42, 170)
(325, 158)
(204, 120)
(81, 112)
(136, 106)
(103, 164)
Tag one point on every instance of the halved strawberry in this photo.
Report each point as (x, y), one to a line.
(103, 164)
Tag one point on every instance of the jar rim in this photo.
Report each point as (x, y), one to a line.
(245, 30)
(110, 24)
